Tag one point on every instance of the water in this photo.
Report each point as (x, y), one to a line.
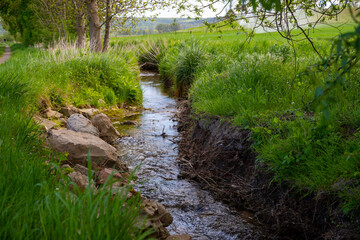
(151, 145)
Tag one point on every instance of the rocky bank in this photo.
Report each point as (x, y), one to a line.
(84, 133)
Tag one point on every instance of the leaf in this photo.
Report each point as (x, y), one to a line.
(319, 92)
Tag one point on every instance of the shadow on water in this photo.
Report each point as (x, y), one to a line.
(150, 144)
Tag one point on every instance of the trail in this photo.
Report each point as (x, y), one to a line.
(6, 56)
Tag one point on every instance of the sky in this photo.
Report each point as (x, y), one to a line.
(172, 13)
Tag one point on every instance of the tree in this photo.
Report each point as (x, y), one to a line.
(37, 20)
(279, 15)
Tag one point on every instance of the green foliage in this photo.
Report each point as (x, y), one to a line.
(282, 51)
(36, 200)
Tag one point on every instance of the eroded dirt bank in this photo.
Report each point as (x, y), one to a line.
(219, 156)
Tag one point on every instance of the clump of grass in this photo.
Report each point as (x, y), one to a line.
(150, 53)
(71, 76)
(191, 56)
(179, 65)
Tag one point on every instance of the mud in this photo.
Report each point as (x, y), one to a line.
(219, 157)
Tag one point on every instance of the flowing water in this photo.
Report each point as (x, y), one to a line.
(150, 144)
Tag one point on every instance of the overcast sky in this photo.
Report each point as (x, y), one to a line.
(172, 13)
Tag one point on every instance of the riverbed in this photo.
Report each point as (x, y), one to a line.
(151, 147)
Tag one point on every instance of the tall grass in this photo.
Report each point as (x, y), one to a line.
(256, 87)
(66, 75)
(35, 198)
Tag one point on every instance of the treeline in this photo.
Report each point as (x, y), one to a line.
(43, 21)
(162, 28)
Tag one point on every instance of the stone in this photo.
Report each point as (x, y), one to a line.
(120, 191)
(129, 123)
(63, 122)
(180, 237)
(156, 210)
(83, 170)
(67, 111)
(105, 173)
(50, 114)
(79, 144)
(106, 129)
(79, 123)
(165, 217)
(44, 102)
(47, 124)
(88, 112)
(80, 180)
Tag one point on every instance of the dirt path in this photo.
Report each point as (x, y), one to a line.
(6, 56)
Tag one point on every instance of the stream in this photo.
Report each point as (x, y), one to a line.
(150, 144)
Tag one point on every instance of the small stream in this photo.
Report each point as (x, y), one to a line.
(150, 144)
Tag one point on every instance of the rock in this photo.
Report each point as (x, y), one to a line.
(156, 210)
(165, 217)
(129, 123)
(80, 180)
(79, 123)
(50, 114)
(89, 112)
(66, 166)
(69, 110)
(83, 170)
(44, 103)
(47, 124)
(120, 191)
(63, 121)
(106, 129)
(105, 173)
(151, 211)
(150, 208)
(179, 237)
(78, 144)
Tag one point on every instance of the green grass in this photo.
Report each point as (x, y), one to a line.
(2, 49)
(255, 86)
(35, 200)
(71, 76)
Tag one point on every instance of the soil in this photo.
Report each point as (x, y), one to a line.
(219, 156)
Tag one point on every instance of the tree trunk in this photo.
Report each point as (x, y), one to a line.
(107, 25)
(94, 26)
(80, 30)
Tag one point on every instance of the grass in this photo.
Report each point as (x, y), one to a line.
(256, 87)
(37, 201)
(70, 76)
(2, 49)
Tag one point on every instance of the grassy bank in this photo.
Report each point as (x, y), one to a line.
(35, 200)
(65, 75)
(311, 145)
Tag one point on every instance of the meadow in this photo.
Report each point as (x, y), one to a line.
(305, 140)
(37, 200)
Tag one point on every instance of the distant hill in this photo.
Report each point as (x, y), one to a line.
(148, 27)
